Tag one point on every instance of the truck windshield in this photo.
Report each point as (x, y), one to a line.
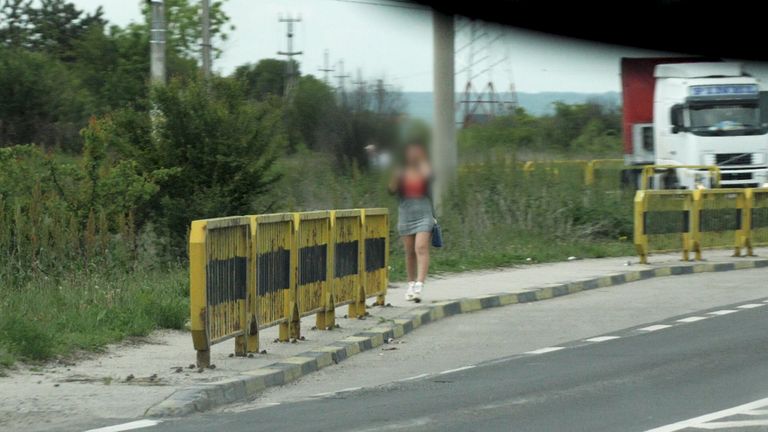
(733, 118)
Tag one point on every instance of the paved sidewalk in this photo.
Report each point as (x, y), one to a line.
(518, 279)
(129, 378)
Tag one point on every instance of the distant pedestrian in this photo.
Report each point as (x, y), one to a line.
(411, 181)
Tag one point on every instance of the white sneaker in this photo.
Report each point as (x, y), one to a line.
(409, 291)
(417, 287)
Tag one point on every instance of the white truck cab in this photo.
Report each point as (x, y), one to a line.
(709, 114)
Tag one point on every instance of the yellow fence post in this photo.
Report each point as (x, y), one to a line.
(528, 168)
(358, 306)
(589, 173)
(745, 221)
(252, 310)
(641, 239)
(749, 197)
(695, 228)
(292, 311)
(197, 293)
(326, 319)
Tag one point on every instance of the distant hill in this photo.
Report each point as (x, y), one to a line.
(419, 104)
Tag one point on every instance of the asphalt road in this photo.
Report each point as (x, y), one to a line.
(647, 377)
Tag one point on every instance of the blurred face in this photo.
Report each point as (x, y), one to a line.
(414, 154)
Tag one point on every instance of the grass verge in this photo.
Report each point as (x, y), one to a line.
(50, 317)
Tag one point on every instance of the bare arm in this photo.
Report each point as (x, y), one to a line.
(426, 169)
(394, 182)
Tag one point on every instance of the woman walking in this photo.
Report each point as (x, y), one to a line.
(411, 182)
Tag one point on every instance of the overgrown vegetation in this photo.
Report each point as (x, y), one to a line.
(592, 129)
(98, 184)
(100, 173)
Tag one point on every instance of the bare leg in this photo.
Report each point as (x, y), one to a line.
(410, 256)
(422, 244)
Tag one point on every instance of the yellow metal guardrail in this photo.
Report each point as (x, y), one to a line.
(603, 171)
(248, 273)
(693, 220)
(650, 170)
(347, 226)
(719, 219)
(376, 262)
(757, 200)
(662, 220)
(590, 172)
(220, 268)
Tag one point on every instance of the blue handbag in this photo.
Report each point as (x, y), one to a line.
(437, 235)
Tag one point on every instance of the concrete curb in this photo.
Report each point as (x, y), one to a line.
(203, 397)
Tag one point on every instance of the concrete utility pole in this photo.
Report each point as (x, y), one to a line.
(205, 22)
(444, 152)
(341, 77)
(326, 69)
(290, 73)
(380, 93)
(157, 43)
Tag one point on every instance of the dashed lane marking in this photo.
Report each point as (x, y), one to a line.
(457, 369)
(139, 424)
(545, 350)
(692, 319)
(723, 312)
(655, 327)
(601, 338)
(751, 305)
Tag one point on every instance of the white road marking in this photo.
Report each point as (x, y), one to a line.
(394, 426)
(655, 327)
(324, 394)
(751, 305)
(758, 412)
(692, 319)
(414, 377)
(733, 424)
(545, 350)
(139, 424)
(601, 338)
(723, 312)
(696, 422)
(346, 390)
(457, 369)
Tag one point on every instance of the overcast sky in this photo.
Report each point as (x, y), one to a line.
(396, 44)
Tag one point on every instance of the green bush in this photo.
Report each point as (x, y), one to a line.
(25, 338)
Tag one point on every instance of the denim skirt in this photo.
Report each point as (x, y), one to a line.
(414, 215)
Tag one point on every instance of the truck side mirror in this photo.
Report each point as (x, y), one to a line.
(676, 118)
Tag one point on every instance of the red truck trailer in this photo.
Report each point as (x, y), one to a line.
(637, 87)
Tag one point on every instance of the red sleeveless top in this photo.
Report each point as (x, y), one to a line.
(413, 187)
